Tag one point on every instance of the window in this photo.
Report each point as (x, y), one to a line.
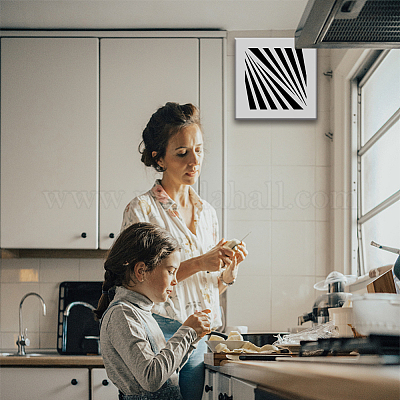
(378, 161)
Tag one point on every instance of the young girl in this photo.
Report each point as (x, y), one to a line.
(142, 265)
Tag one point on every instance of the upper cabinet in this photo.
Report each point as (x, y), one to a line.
(137, 77)
(49, 142)
(73, 111)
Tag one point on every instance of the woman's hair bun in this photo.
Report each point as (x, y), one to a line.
(163, 124)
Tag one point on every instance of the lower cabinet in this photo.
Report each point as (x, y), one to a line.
(265, 394)
(210, 389)
(242, 390)
(102, 387)
(56, 384)
(44, 383)
(219, 386)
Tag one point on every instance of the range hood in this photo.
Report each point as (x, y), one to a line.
(345, 24)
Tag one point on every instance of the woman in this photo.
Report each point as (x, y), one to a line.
(142, 265)
(173, 144)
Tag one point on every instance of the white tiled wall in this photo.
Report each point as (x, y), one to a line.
(43, 276)
(274, 168)
(278, 185)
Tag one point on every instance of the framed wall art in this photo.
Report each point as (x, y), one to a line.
(275, 80)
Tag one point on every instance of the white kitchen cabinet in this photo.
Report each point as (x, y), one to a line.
(242, 390)
(102, 387)
(49, 142)
(210, 391)
(138, 75)
(223, 385)
(44, 383)
(73, 110)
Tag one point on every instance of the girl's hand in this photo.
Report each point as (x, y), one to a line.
(217, 257)
(200, 322)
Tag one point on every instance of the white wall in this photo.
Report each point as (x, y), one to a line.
(289, 248)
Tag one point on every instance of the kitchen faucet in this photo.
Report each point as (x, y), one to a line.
(66, 314)
(22, 339)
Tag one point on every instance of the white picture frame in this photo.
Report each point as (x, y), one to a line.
(274, 80)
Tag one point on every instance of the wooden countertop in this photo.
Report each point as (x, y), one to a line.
(319, 381)
(51, 359)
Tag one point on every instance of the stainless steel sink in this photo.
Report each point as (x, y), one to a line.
(44, 353)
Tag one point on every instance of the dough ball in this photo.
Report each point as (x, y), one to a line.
(270, 348)
(216, 337)
(251, 347)
(222, 348)
(234, 335)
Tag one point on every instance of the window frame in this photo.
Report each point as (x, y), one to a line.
(368, 68)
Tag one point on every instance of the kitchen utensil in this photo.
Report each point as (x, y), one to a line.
(80, 322)
(390, 249)
(335, 283)
(376, 313)
(342, 317)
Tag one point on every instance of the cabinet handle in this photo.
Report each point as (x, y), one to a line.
(74, 382)
(228, 397)
(111, 236)
(83, 234)
(104, 382)
(220, 396)
(208, 388)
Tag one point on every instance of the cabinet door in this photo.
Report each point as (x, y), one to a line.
(49, 142)
(137, 77)
(224, 387)
(102, 387)
(242, 390)
(210, 390)
(44, 383)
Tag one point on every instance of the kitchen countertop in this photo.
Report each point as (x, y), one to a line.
(319, 381)
(48, 358)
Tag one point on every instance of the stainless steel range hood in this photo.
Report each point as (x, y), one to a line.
(345, 24)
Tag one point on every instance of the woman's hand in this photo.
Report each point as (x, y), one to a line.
(217, 257)
(200, 322)
(231, 270)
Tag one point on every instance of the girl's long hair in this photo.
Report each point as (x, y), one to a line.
(139, 242)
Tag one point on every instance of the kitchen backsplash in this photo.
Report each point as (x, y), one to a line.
(278, 181)
(43, 276)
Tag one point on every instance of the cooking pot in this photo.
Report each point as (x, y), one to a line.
(376, 313)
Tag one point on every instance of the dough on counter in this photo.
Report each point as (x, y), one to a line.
(251, 347)
(215, 337)
(234, 335)
(222, 348)
(269, 347)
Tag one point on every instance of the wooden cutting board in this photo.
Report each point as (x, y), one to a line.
(383, 284)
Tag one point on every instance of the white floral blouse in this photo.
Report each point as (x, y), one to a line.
(199, 291)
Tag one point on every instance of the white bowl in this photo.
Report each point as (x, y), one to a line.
(231, 344)
(376, 313)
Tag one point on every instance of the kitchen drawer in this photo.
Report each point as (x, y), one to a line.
(44, 383)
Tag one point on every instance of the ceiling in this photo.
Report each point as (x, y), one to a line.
(230, 15)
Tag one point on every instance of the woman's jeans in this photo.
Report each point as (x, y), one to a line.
(191, 376)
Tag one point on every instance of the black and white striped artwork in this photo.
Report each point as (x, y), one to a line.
(275, 80)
